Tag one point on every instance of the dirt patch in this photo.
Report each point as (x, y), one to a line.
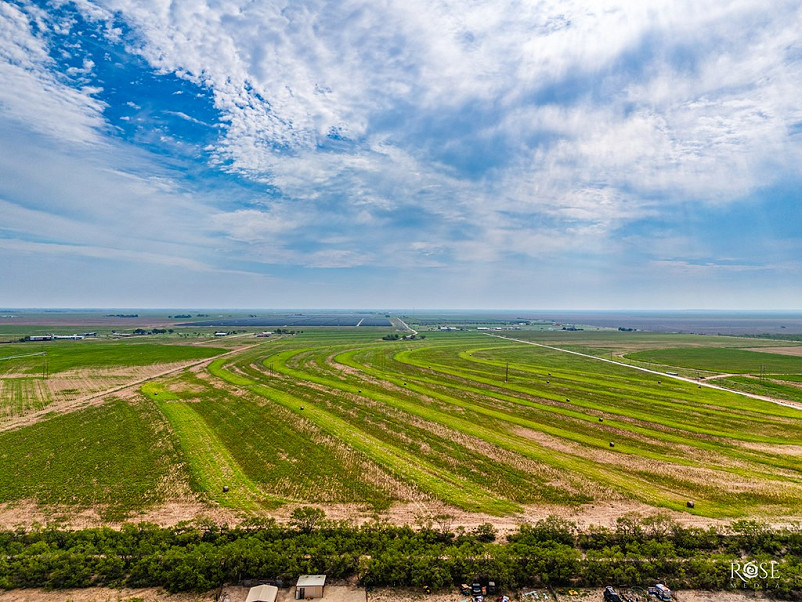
(26, 514)
(102, 594)
(795, 351)
(582, 595)
(691, 595)
(784, 450)
(334, 593)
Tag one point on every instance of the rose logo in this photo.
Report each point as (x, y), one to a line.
(750, 570)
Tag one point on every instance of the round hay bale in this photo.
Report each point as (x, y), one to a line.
(690, 504)
(601, 419)
(225, 488)
(612, 444)
(302, 407)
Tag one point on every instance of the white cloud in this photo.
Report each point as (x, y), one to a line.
(32, 94)
(284, 76)
(430, 134)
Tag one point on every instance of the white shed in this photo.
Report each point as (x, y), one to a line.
(262, 593)
(310, 586)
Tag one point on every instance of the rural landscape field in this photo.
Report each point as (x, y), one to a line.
(426, 301)
(428, 451)
(509, 424)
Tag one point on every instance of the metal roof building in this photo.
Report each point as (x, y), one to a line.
(310, 586)
(262, 593)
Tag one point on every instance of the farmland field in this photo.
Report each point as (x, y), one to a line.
(723, 360)
(456, 422)
(35, 375)
(60, 356)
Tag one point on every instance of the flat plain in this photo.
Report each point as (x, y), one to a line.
(458, 423)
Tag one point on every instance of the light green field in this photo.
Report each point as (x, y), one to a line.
(115, 458)
(481, 424)
(438, 416)
(59, 356)
(734, 361)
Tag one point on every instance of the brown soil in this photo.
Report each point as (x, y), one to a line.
(796, 350)
(582, 595)
(333, 593)
(26, 514)
(102, 594)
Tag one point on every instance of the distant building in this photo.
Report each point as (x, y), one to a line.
(43, 337)
(310, 586)
(71, 337)
(262, 593)
(221, 334)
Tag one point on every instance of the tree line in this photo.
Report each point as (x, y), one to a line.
(552, 551)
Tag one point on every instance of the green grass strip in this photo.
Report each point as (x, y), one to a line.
(441, 483)
(211, 464)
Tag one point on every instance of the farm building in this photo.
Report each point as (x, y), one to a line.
(262, 593)
(221, 334)
(310, 586)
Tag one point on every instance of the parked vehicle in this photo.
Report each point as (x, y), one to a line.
(661, 592)
(610, 595)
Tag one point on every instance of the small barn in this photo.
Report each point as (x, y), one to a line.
(310, 586)
(262, 593)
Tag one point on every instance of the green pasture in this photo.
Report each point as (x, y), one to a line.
(265, 454)
(113, 457)
(724, 360)
(60, 356)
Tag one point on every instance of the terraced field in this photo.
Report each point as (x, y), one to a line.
(493, 426)
(474, 423)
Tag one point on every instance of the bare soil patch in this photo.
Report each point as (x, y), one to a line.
(102, 594)
(333, 593)
(795, 350)
(692, 595)
(787, 450)
(582, 595)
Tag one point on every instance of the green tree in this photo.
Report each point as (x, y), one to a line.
(306, 518)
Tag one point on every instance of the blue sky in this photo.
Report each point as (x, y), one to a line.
(544, 154)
